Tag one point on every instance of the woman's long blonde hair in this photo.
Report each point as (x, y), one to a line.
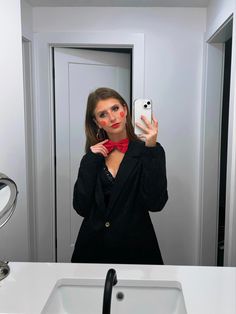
(91, 128)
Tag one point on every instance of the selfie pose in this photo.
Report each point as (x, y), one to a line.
(121, 178)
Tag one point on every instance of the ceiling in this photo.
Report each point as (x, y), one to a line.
(118, 3)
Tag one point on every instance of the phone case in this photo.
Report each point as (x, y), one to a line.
(141, 107)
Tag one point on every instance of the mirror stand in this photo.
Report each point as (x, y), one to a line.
(8, 198)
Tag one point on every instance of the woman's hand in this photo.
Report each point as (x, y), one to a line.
(99, 148)
(150, 131)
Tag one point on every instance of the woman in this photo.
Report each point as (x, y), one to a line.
(120, 179)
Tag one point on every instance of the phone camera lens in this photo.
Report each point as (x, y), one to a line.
(145, 106)
(148, 102)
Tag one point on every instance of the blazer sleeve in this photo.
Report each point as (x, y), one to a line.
(84, 188)
(153, 187)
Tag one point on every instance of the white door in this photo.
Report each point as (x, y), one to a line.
(77, 73)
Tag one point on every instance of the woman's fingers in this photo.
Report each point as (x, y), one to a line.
(100, 149)
(149, 125)
(150, 131)
(139, 125)
(102, 142)
(142, 137)
(146, 121)
(99, 152)
(155, 121)
(153, 117)
(103, 150)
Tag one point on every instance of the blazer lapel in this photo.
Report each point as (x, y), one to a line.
(128, 163)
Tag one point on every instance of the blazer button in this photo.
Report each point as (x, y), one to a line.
(107, 224)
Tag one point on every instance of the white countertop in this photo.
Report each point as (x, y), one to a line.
(206, 290)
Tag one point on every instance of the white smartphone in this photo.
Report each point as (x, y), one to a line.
(141, 107)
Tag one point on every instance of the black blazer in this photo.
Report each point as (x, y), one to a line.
(122, 232)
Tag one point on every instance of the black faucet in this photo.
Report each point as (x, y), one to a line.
(111, 280)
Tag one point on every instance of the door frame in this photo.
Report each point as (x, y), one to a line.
(44, 117)
(210, 151)
(29, 136)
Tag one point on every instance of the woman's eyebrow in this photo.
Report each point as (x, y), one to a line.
(99, 112)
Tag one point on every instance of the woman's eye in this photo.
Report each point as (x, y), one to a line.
(102, 115)
(116, 108)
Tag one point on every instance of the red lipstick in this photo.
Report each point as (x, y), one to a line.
(116, 125)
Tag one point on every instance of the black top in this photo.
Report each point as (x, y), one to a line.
(107, 181)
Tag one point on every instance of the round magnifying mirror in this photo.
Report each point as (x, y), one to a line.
(8, 197)
(5, 194)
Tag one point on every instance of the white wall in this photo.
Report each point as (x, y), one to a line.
(173, 74)
(14, 235)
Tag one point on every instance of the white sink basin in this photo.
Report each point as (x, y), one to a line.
(80, 296)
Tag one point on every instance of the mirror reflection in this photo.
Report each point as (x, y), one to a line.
(159, 53)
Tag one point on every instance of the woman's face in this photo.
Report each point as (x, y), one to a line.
(110, 115)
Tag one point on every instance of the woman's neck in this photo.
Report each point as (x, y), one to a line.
(117, 137)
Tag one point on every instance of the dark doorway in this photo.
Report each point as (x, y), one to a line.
(223, 152)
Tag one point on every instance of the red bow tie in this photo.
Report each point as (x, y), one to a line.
(122, 145)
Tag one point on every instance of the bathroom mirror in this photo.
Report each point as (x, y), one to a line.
(168, 55)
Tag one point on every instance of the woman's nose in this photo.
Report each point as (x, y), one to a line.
(112, 116)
